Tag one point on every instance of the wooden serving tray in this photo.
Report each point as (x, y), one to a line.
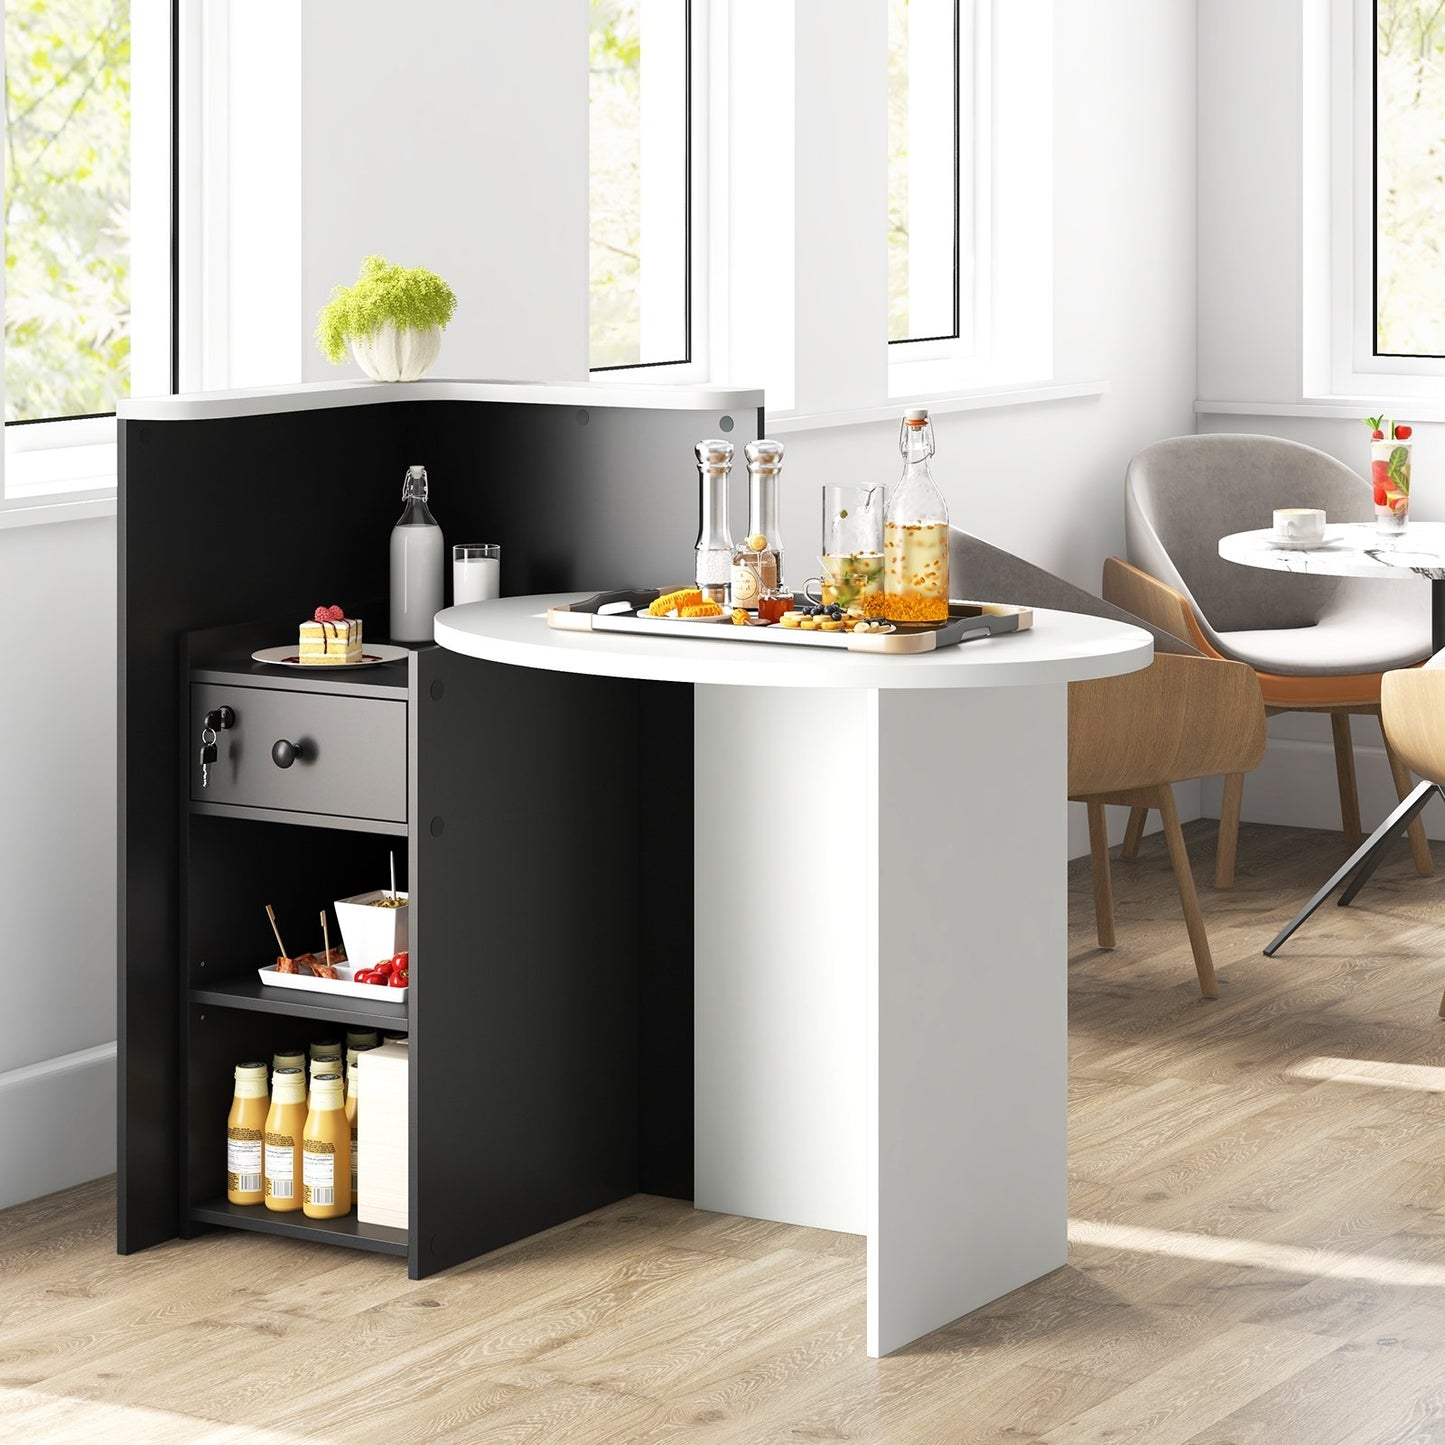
(617, 612)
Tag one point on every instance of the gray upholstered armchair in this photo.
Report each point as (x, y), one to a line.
(1317, 644)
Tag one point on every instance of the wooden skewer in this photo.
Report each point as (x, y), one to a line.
(271, 914)
(325, 940)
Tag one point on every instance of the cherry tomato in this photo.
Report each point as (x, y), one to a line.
(401, 960)
(362, 975)
(398, 980)
(384, 969)
(379, 979)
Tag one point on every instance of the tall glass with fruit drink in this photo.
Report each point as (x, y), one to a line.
(1391, 455)
(915, 534)
(852, 561)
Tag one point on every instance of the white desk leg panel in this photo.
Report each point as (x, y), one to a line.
(881, 1014)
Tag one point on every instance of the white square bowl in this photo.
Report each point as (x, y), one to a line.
(371, 935)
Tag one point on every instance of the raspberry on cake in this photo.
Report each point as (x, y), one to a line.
(331, 637)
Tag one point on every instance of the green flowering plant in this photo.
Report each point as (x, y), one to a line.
(404, 296)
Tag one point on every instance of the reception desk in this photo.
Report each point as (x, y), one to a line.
(878, 852)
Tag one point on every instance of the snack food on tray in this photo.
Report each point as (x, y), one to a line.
(670, 601)
(701, 609)
(331, 638)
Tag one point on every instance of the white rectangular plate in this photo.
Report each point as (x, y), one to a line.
(340, 986)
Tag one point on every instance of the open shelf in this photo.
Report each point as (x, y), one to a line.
(346, 1231)
(251, 993)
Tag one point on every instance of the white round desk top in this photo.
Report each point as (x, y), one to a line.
(1351, 549)
(1060, 647)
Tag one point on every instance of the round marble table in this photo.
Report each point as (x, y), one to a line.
(1355, 549)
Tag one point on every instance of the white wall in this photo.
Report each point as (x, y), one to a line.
(58, 855)
(452, 137)
(1252, 156)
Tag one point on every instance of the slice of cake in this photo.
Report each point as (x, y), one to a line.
(331, 637)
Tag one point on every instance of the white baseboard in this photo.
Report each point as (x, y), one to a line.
(1187, 800)
(1295, 785)
(57, 1124)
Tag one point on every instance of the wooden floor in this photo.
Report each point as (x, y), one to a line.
(1257, 1249)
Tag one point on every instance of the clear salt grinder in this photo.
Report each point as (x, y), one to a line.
(714, 539)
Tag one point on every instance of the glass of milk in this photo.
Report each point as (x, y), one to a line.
(476, 572)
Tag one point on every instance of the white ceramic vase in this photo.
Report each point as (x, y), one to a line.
(397, 355)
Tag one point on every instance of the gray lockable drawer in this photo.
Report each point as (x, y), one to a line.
(351, 761)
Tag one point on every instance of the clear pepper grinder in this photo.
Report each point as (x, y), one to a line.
(714, 539)
(758, 563)
(416, 563)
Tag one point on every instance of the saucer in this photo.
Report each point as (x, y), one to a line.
(1296, 545)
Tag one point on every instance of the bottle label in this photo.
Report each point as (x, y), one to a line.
(280, 1166)
(318, 1172)
(353, 1162)
(745, 587)
(243, 1160)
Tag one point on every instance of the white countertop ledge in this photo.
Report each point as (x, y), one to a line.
(321, 395)
(1060, 647)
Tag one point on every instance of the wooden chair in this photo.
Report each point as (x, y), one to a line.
(1317, 644)
(1132, 737)
(1412, 713)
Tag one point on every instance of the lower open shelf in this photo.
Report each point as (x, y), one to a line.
(346, 1231)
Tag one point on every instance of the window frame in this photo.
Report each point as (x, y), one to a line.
(66, 467)
(702, 96)
(1340, 218)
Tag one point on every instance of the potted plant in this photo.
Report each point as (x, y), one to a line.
(392, 319)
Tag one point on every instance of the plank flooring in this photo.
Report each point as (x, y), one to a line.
(1257, 1248)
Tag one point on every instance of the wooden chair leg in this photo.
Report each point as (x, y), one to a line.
(1442, 1005)
(1103, 885)
(1134, 832)
(1227, 846)
(1404, 783)
(1188, 898)
(1345, 773)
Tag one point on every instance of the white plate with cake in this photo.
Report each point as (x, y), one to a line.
(330, 639)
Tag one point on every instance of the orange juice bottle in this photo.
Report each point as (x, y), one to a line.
(244, 1128)
(285, 1126)
(324, 1064)
(326, 1152)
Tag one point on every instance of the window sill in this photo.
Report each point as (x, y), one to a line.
(1348, 408)
(984, 399)
(40, 512)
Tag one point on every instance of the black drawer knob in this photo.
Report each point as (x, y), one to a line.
(283, 754)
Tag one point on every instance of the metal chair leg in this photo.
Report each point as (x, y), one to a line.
(1366, 856)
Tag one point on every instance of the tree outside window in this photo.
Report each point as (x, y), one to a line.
(67, 207)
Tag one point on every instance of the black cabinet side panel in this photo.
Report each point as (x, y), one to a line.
(665, 991)
(525, 944)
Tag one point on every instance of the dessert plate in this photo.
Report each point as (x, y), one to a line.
(372, 655)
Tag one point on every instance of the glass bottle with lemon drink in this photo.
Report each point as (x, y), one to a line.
(285, 1127)
(245, 1127)
(915, 535)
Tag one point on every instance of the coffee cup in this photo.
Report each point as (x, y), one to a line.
(1299, 524)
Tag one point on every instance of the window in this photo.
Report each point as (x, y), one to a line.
(640, 143)
(1374, 315)
(925, 125)
(877, 179)
(1409, 178)
(87, 234)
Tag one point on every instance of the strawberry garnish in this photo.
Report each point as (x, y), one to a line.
(1402, 433)
(1377, 436)
(1382, 497)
